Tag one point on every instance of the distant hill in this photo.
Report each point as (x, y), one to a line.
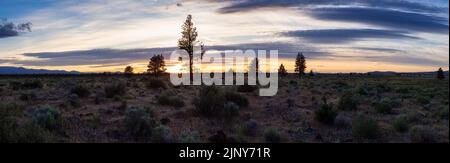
(391, 73)
(21, 70)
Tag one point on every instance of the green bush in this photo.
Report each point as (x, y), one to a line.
(237, 98)
(31, 96)
(401, 123)
(115, 89)
(46, 117)
(423, 134)
(139, 122)
(230, 110)
(250, 127)
(271, 135)
(422, 100)
(80, 90)
(170, 100)
(32, 133)
(162, 134)
(156, 83)
(190, 137)
(74, 100)
(325, 114)
(35, 84)
(386, 106)
(210, 101)
(7, 123)
(365, 127)
(348, 102)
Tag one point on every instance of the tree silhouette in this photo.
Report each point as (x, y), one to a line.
(282, 71)
(300, 64)
(440, 74)
(187, 42)
(128, 70)
(311, 73)
(156, 66)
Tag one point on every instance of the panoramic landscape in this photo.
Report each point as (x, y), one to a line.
(106, 71)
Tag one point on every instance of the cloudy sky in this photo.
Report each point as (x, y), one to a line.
(334, 35)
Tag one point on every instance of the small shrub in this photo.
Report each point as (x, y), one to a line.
(15, 85)
(271, 135)
(156, 83)
(32, 133)
(210, 101)
(325, 114)
(190, 137)
(74, 100)
(250, 127)
(115, 89)
(246, 88)
(139, 122)
(348, 102)
(46, 117)
(35, 84)
(162, 134)
(422, 100)
(237, 98)
(100, 97)
(365, 127)
(443, 113)
(386, 106)
(28, 96)
(170, 100)
(343, 120)
(423, 134)
(7, 123)
(230, 110)
(81, 91)
(401, 123)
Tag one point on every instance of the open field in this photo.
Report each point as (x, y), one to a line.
(140, 108)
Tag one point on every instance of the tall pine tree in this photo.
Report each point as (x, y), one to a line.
(300, 64)
(187, 42)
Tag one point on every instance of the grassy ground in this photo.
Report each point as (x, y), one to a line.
(141, 109)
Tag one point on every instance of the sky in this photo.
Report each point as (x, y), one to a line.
(334, 35)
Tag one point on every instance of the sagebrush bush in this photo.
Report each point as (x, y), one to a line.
(422, 100)
(74, 100)
(250, 127)
(81, 90)
(348, 102)
(423, 134)
(170, 99)
(190, 137)
(162, 134)
(401, 123)
(30, 96)
(325, 114)
(32, 133)
(365, 127)
(156, 83)
(47, 117)
(115, 89)
(139, 122)
(385, 106)
(34, 84)
(272, 135)
(210, 101)
(7, 123)
(237, 98)
(230, 110)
